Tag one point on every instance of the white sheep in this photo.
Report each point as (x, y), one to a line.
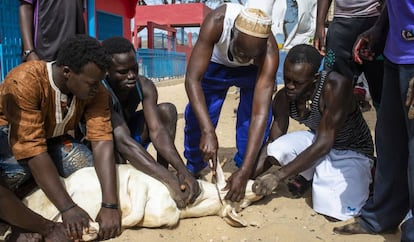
(144, 201)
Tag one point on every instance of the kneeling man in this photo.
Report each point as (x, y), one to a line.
(337, 150)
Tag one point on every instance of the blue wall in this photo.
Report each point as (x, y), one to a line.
(108, 25)
(10, 40)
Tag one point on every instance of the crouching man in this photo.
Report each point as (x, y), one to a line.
(39, 103)
(337, 150)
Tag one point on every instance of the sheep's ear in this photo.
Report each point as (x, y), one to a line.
(233, 218)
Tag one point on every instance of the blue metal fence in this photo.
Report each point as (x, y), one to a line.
(10, 41)
(161, 64)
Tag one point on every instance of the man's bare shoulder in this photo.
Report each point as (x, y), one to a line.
(338, 82)
(218, 14)
(213, 23)
(280, 100)
(147, 86)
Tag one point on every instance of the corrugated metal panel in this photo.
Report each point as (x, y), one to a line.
(109, 25)
(10, 40)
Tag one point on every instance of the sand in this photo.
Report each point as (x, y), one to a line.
(278, 217)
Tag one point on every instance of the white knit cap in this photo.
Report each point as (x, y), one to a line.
(254, 22)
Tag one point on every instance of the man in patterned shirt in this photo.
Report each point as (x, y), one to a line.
(39, 102)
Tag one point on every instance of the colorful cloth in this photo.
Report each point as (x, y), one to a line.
(67, 154)
(30, 105)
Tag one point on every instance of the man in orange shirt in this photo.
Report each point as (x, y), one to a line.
(39, 102)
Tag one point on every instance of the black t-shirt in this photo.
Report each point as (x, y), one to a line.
(57, 20)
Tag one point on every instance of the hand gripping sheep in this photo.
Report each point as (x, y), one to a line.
(144, 201)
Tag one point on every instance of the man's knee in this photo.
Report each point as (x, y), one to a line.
(169, 111)
(169, 117)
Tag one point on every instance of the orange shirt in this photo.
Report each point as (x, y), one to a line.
(30, 105)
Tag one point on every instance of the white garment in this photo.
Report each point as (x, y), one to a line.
(264, 5)
(340, 179)
(221, 48)
(304, 30)
(278, 20)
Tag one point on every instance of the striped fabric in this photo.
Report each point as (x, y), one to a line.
(354, 135)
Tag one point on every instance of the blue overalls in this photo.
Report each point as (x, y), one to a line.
(215, 84)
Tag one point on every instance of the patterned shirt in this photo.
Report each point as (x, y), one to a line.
(30, 103)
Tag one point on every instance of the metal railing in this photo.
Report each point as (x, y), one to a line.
(159, 64)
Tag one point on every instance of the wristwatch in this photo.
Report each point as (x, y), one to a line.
(26, 53)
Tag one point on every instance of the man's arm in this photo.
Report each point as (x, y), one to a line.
(143, 161)
(26, 28)
(337, 102)
(97, 114)
(319, 38)
(280, 111)
(161, 137)
(364, 47)
(210, 33)
(280, 124)
(109, 218)
(16, 213)
(27, 133)
(261, 104)
(47, 178)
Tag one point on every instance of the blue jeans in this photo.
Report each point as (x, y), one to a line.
(393, 193)
(67, 154)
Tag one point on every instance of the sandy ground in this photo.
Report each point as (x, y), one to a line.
(275, 218)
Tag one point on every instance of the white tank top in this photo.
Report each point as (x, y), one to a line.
(356, 8)
(221, 48)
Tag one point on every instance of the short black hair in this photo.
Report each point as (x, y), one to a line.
(79, 50)
(117, 45)
(304, 53)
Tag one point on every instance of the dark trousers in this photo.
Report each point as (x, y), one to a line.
(393, 193)
(341, 36)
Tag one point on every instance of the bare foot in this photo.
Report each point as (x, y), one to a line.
(353, 228)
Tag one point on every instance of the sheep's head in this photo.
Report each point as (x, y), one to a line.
(230, 211)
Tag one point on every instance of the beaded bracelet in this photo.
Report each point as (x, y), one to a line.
(68, 208)
(109, 205)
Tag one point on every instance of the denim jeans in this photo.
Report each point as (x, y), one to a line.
(393, 193)
(67, 154)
